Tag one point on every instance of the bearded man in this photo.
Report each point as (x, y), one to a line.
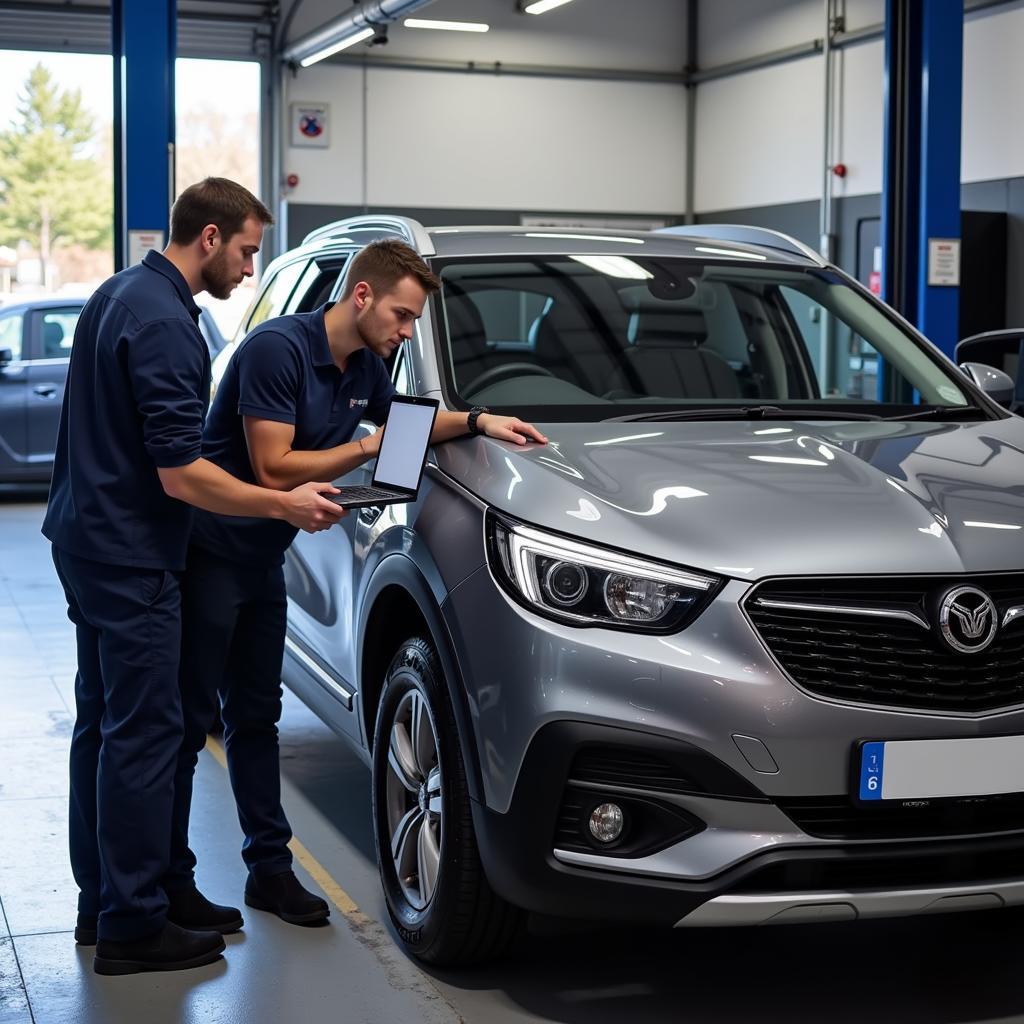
(128, 470)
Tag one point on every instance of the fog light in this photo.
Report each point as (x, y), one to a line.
(606, 821)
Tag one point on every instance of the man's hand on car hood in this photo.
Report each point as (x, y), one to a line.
(510, 428)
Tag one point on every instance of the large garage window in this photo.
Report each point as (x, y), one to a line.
(56, 172)
(221, 139)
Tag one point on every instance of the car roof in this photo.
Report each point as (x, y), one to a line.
(519, 240)
(29, 304)
(707, 242)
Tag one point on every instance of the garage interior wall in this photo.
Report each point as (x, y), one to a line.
(749, 126)
(589, 137)
(418, 139)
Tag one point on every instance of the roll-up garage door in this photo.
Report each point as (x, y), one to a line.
(224, 29)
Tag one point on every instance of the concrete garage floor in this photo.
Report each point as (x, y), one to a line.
(952, 969)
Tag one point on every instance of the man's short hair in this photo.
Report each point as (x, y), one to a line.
(383, 264)
(217, 201)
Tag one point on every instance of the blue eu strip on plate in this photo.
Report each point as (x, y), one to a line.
(872, 761)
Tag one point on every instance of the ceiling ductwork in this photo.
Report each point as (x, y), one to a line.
(362, 22)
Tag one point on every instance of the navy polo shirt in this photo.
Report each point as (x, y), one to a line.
(136, 394)
(284, 371)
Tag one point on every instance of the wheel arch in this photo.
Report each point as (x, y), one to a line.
(399, 603)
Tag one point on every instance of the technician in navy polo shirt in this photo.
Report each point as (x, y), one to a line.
(128, 468)
(285, 412)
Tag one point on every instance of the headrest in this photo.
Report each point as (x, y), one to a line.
(466, 331)
(53, 336)
(685, 329)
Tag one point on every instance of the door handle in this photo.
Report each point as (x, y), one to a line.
(45, 390)
(369, 514)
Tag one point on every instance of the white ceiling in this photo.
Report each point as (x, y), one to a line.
(612, 35)
(634, 35)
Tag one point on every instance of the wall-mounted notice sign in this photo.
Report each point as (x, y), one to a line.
(944, 262)
(310, 124)
(140, 242)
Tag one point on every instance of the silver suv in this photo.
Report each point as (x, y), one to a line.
(742, 644)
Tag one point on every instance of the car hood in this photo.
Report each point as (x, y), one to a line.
(758, 498)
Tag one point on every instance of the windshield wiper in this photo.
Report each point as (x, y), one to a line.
(746, 412)
(950, 411)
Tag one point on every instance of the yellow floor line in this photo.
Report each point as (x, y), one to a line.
(316, 870)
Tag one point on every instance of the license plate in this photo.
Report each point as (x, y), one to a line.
(933, 769)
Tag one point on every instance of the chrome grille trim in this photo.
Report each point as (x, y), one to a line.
(834, 609)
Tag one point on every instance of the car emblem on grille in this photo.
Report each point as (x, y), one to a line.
(967, 619)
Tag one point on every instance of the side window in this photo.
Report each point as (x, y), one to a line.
(401, 377)
(57, 332)
(845, 364)
(277, 292)
(314, 287)
(10, 333)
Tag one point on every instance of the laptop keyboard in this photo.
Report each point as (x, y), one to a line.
(367, 493)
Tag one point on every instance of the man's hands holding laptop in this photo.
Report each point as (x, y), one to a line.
(401, 448)
(306, 507)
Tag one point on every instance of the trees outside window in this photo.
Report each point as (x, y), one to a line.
(55, 189)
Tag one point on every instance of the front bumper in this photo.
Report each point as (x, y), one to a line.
(539, 692)
(725, 876)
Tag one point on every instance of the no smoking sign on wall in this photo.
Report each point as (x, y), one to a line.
(310, 124)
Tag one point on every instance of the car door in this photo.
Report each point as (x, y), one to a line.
(321, 569)
(324, 572)
(13, 398)
(51, 334)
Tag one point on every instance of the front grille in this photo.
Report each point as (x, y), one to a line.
(891, 662)
(837, 817)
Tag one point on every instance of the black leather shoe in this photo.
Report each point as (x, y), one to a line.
(85, 930)
(189, 908)
(284, 895)
(171, 949)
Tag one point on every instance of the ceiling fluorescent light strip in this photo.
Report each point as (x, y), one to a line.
(446, 26)
(341, 44)
(543, 6)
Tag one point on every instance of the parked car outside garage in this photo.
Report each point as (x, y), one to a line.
(35, 349)
(741, 644)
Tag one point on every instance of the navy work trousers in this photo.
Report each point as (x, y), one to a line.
(127, 736)
(233, 626)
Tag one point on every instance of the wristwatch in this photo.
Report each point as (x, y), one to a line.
(474, 415)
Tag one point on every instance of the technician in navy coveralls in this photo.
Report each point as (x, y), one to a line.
(286, 410)
(128, 470)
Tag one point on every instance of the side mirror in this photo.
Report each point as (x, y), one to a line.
(997, 385)
(6, 356)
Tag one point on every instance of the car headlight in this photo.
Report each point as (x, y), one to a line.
(587, 585)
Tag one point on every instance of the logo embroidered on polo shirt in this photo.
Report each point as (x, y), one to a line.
(353, 402)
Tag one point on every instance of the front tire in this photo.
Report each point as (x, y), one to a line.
(434, 885)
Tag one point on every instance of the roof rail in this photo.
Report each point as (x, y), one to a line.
(746, 235)
(412, 231)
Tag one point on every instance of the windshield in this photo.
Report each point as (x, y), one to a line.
(598, 336)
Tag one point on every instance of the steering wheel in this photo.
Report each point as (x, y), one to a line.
(496, 373)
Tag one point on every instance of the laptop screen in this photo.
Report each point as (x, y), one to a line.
(402, 450)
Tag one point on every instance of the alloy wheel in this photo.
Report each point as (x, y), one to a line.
(413, 788)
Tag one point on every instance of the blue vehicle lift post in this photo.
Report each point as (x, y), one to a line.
(144, 40)
(923, 95)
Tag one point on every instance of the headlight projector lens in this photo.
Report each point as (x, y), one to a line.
(566, 583)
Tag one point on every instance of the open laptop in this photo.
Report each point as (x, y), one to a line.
(402, 456)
